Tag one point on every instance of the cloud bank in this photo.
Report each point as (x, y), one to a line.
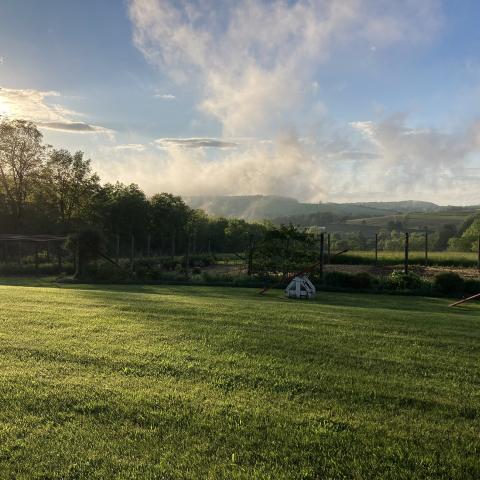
(252, 66)
(251, 60)
(194, 143)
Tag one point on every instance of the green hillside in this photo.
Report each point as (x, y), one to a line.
(432, 220)
(260, 207)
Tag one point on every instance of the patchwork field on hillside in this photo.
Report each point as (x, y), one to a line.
(198, 382)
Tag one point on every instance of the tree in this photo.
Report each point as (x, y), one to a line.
(125, 210)
(68, 185)
(444, 235)
(169, 218)
(21, 158)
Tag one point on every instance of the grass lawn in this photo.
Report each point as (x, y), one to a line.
(217, 383)
(367, 257)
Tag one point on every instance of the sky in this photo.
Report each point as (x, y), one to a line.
(320, 100)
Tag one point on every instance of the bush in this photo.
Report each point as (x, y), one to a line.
(449, 283)
(471, 286)
(200, 260)
(399, 280)
(346, 280)
(29, 269)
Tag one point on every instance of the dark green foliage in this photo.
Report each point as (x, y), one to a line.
(86, 246)
(347, 280)
(471, 286)
(398, 280)
(449, 283)
(444, 234)
(44, 268)
(285, 250)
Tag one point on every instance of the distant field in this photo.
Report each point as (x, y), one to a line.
(417, 220)
(192, 383)
(454, 259)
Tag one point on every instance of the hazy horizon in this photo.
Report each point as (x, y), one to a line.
(332, 101)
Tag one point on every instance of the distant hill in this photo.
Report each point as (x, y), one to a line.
(269, 207)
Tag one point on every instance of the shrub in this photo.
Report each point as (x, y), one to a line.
(449, 283)
(471, 286)
(200, 260)
(346, 280)
(399, 280)
(362, 280)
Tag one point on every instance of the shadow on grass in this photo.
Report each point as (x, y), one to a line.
(373, 301)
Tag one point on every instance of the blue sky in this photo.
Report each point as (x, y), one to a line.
(321, 100)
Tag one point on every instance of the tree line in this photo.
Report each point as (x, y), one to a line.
(45, 190)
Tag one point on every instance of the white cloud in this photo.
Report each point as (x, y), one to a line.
(130, 147)
(251, 60)
(426, 161)
(195, 143)
(165, 96)
(35, 105)
(242, 171)
(370, 160)
(252, 66)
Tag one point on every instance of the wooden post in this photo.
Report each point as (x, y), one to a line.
(478, 253)
(132, 253)
(187, 258)
(322, 248)
(406, 252)
(76, 259)
(376, 249)
(48, 252)
(36, 257)
(426, 247)
(250, 257)
(117, 248)
(59, 256)
(149, 241)
(173, 246)
(20, 253)
(328, 247)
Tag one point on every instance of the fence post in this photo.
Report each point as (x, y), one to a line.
(250, 256)
(376, 249)
(173, 246)
(36, 257)
(426, 247)
(187, 258)
(406, 252)
(132, 253)
(322, 247)
(76, 256)
(20, 253)
(478, 253)
(59, 256)
(329, 243)
(117, 247)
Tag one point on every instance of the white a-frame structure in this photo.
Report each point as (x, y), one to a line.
(300, 287)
